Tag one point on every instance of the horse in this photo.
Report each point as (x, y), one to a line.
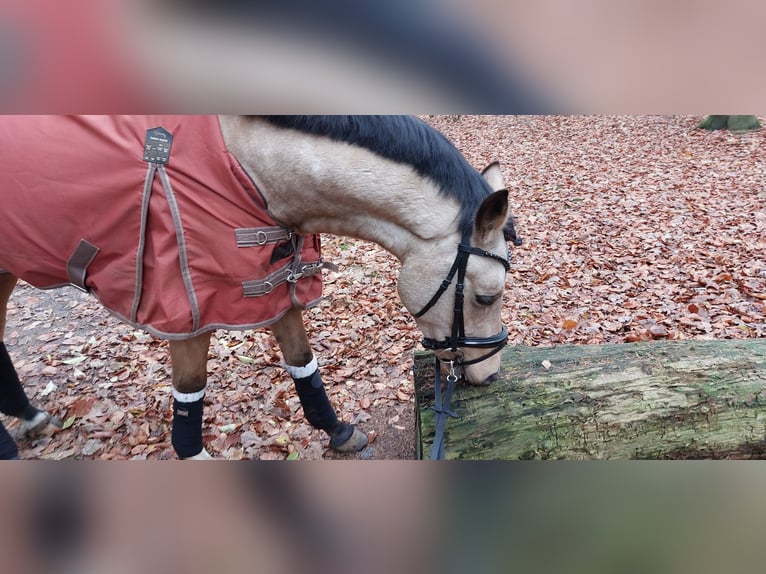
(391, 180)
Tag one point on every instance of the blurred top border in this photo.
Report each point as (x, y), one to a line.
(341, 56)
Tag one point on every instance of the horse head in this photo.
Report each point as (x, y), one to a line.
(455, 287)
(400, 183)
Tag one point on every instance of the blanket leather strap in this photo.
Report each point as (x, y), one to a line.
(77, 264)
(257, 236)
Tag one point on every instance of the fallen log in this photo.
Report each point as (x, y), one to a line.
(658, 400)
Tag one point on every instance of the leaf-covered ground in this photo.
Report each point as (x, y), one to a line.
(110, 384)
(635, 228)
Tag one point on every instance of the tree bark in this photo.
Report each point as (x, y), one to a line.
(732, 123)
(658, 400)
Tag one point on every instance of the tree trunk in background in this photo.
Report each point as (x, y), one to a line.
(658, 400)
(732, 123)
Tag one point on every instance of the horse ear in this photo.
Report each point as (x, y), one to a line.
(494, 176)
(490, 218)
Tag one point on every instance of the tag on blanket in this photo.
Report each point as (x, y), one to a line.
(157, 145)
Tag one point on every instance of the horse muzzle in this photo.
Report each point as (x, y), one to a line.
(462, 353)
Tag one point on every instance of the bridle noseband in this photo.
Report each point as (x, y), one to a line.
(458, 339)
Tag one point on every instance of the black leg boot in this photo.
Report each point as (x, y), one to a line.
(320, 414)
(186, 434)
(13, 399)
(8, 449)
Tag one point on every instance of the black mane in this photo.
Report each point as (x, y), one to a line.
(407, 140)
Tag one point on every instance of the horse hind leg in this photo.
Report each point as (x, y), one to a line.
(13, 400)
(302, 366)
(8, 448)
(7, 285)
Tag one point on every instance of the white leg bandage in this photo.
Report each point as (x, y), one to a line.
(188, 397)
(302, 372)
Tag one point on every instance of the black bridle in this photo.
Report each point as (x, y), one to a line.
(457, 339)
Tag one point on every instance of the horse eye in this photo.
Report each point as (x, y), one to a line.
(486, 300)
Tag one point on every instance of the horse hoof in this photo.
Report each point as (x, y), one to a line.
(201, 455)
(347, 438)
(39, 425)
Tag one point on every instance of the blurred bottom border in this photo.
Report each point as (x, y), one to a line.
(381, 516)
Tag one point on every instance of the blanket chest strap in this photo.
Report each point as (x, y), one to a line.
(257, 236)
(260, 287)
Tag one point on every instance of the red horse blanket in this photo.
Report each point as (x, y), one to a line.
(162, 225)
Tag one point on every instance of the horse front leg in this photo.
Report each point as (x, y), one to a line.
(302, 366)
(189, 361)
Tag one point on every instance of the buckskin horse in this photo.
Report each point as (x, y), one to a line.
(181, 225)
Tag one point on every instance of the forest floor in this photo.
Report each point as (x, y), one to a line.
(635, 228)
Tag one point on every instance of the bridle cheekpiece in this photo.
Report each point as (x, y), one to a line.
(458, 338)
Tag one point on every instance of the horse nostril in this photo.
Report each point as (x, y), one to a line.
(490, 379)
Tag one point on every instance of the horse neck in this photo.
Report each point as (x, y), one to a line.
(315, 185)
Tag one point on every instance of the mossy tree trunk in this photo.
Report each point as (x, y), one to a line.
(731, 123)
(658, 400)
